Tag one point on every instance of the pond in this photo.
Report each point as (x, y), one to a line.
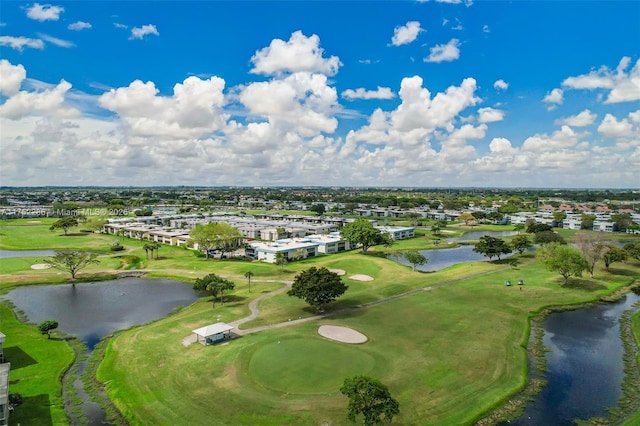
(584, 365)
(476, 235)
(6, 254)
(91, 311)
(443, 258)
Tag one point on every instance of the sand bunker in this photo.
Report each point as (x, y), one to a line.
(338, 271)
(360, 277)
(41, 266)
(341, 334)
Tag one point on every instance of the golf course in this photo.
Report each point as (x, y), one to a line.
(451, 345)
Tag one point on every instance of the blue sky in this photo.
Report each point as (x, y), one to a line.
(361, 93)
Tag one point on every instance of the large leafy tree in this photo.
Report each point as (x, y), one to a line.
(317, 287)
(318, 209)
(633, 250)
(228, 237)
(495, 217)
(535, 228)
(586, 220)
(415, 258)
(369, 397)
(205, 237)
(215, 285)
(565, 260)
(363, 232)
(65, 224)
(492, 247)
(216, 236)
(547, 237)
(621, 220)
(466, 217)
(72, 261)
(558, 217)
(520, 243)
(613, 254)
(47, 326)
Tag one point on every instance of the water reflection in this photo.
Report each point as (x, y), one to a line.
(7, 254)
(476, 235)
(443, 258)
(584, 365)
(94, 310)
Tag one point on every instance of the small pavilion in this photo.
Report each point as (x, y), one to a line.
(213, 333)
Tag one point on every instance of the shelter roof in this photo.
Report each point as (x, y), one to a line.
(213, 329)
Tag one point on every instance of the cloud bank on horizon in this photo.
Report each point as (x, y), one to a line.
(361, 94)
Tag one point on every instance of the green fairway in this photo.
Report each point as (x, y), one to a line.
(307, 365)
(427, 348)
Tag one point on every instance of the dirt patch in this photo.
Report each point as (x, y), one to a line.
(360, 277)
(189, 340)
(341, 334)
(340, 272)
(41, 266)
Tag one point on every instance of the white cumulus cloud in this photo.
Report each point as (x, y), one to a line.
(44, 12)
(585, 118)
(489, 115)
(50, 101)
(444, 52)
(554, 97)
(362, 93)
(405, 34)
(79, 25)
(140, 32)
(194, 109)
(622, 86)
(500, 85)
(299, 54)
(11, 77)
(611, 127)
(19, 43)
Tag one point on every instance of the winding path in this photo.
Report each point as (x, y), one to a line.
(255, 311)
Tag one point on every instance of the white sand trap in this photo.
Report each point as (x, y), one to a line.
(41, 266)
(359, 277)
(338, 271)
(341, 334)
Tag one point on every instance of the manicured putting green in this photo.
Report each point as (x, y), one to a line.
(307, 365)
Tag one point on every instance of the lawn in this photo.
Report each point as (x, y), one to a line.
(448, 354)
(37, 364)
(426, 347)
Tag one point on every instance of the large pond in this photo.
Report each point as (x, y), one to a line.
(6, 254)
(476, 235)
(91, 311)
(443, 258)
(584, 365)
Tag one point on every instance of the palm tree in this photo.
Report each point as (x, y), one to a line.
(249, 274)
(148, 247)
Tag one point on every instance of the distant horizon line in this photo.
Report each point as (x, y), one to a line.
(330, 187)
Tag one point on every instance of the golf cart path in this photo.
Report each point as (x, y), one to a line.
(253, 305)
(255, 311)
